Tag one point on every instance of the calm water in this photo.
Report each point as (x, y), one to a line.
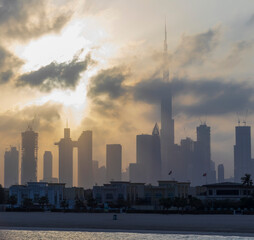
(69, 235)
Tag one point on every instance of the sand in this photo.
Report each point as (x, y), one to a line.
(152, 222)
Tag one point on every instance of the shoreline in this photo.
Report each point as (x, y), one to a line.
(239, 225)
(128, 231)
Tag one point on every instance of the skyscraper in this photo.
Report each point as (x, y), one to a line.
(85, 161)
(65, 146)
(203, 164)
(29, 156)
(242, 152)
(11, 167)
(113, 162)
(149, 156)
(220, 173)
(47, 166)
(167, 122)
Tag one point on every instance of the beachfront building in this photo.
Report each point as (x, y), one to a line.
(74, 194)
(139, 193)
(34, 191)
(226, 191)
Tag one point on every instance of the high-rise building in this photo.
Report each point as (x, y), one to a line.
(29, 156)
(204, 166)
(220, 173)
(167, 121)
(242, 152)
(85, 160)
(65, 146)
(113, 162)
(47, 166)
(185, 161)
(149, 156)
(11, 167)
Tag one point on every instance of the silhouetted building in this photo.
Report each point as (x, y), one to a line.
(185, 163)
(167, 122)
(114, 162)
(29, 156)
(242, 152)
(47, 166)
(65, 146)
(136, 173)
(203, 165)
(125, 175)
(221, 173)
(149, 156)
(11, 167)
(85, 162)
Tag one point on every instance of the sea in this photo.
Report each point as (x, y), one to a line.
(38, 234)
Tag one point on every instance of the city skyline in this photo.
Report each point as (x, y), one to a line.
(114, 91)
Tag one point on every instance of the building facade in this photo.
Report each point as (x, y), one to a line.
(85, 160)
(29, 156)
(242, 152)
(65, 146)
(113, 162)
(11, 167)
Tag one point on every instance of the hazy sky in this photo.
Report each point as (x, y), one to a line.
(98, 64)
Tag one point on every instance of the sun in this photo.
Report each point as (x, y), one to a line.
(87, 35)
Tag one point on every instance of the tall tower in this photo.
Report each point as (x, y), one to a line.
(11, 167)
(114, 162)
(220, 173)
(65, 146)
(149, 156)
(29, 156)
(47, 166)
(85, 160)
(242, 152)
(167, 122)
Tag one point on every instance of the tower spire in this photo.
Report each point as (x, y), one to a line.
(165, 40)
(165, 64)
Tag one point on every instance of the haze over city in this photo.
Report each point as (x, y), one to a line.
(98, 66)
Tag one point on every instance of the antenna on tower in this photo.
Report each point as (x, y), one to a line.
(245, 118)
(238, 119)
(66, 122)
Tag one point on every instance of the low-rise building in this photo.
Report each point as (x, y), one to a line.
(54, 192)
(139, 193)
(226, 191)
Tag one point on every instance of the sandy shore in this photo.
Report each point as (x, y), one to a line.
(152, 222)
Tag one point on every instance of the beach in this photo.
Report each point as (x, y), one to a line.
(151, 222)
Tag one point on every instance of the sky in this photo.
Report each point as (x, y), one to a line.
(98, 66)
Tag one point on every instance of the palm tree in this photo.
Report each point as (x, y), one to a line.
(246, 180)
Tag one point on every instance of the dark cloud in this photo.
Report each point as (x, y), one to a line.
(55, 75)
(195, 49)
(210, 96)
(28, 19)
(215, 96)
(42, 118)
(8, 64)
(108, 82)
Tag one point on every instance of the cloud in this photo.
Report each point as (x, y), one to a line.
(217, 96)
(8, 64)
(55, 75)
(214, 96)
(238, 51)
(108, 82)
(28, 19)
(250, 21)
(196, 49)
(42, 118)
